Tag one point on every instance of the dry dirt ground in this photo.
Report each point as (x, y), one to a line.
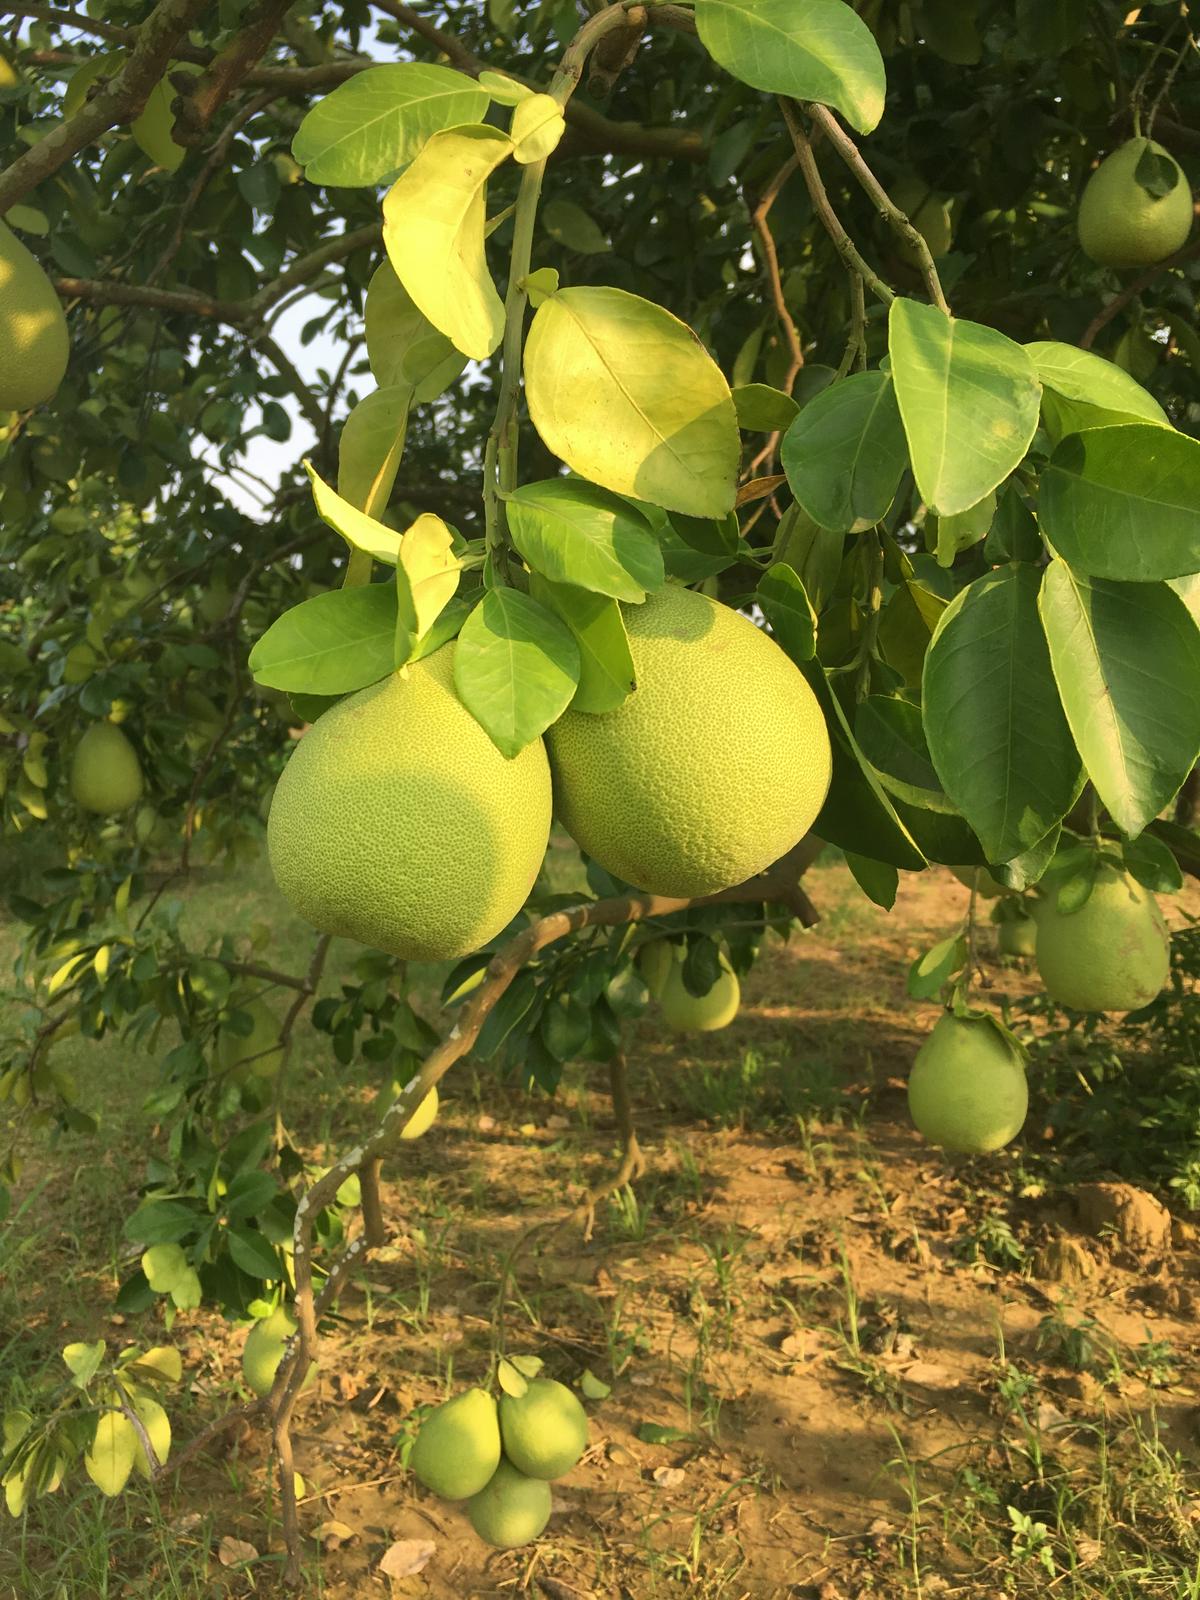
(841, 1363)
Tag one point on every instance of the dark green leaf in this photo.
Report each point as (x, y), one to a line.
(330, 645)
(789, 611)
(573, 532)
(845, 453)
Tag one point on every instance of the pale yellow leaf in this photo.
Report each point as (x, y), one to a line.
(359, 530)
(114, 1447)
(537, 126)
(407, 1557)
(433, 226)
(431, 568)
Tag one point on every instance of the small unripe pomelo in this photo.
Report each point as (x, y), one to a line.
(713, 768)
(33, 330)
(1112, 954)
(700, 1013)
(545, 1430)
(259, 1051)
(458, 1446)
(655, 961)
(967, 1089)
(1120, 223)
(1017, 936)
(105, 774)
(263, 1350)
(512, 1510)
(398, 823)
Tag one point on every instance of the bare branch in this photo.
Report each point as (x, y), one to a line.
(1131, 291)
(114, 105)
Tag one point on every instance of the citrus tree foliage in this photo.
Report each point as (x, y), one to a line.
(661, 248)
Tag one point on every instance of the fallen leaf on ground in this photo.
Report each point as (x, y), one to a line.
(233, 1552)
(407, 1557)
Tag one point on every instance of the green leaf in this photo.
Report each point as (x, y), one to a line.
(1083, 376)
(433, 226)
(359, 530)
(512, 1381)
(370, 448)
(403, 347)
(1188, 590)
(857, 814)
(427, 575)
(515, 668)
(160, 1221)
(606, 675)
(332, 644)
(161, 1361)
(762, 409)
(164, 1266)
(592, 1387)
(628, 397)
(84, 1361)
(151, 129)
(969, 400)
(573, 532)
(878, 880)
(963, 529)
(1150, 861)
(806, 49)
(892, 738)
(789, 611)
(377, 122)
(845, 453)
(1124, 503)
(997, 733)
(110, 1459)
(252, 1253)
(571, 226)
(1126, 657)
(537, 128)
(930, 972)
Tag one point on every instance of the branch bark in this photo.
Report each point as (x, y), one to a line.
(1131, 291)
(196, 108)
(116, 104)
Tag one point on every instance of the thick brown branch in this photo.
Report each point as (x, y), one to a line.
(114, 105)
(196, 109)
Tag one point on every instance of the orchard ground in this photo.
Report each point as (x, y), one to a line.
(873, 1370)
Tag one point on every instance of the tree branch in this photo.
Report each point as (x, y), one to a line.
(823, 207)
(1131, 291)
(117, 103)
(195, 109)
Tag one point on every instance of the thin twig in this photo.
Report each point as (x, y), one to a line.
(1131, 291)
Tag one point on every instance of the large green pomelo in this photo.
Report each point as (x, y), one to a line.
(1113, 954)
(512, 1510)
(967, 1089)
(458, 1446)
(545, 1430)
(1120, 224)
(106, 776)
(715, 766)
(33, 331)
(258, 1051)
(700, 1013)
(398, 823)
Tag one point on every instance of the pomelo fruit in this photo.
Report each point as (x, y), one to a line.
(700, 1013)
(715, 766)
(1017, 936)
(263, 1350)
(544, 1431)
(106, 776)
(1112, 954)
(398, 823)
(512, 1510)
(33, 331)
(655, 960)
(1120, 223)
(967, 1089)
(458, 1446)
(258, 1052)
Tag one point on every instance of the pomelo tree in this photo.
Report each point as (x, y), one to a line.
(643, 330)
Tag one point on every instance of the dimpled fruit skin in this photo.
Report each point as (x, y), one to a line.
(458, 1446)
(1113, 954)
(545, 1430)
(33, 330)
(398, 823)
(1120, 225)
(513, 1510)
(967, 1089)
(105, 775)
(700, 1013)
(715, 766)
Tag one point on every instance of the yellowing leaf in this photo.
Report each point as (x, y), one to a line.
(163, 1359)
(504, 90)
(359, 530)
(64, 972)
(158, 1430)
(537, 126)
(433, 226)
(627, 396)
(114, 1447)
(426, 577)
(101, 961)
